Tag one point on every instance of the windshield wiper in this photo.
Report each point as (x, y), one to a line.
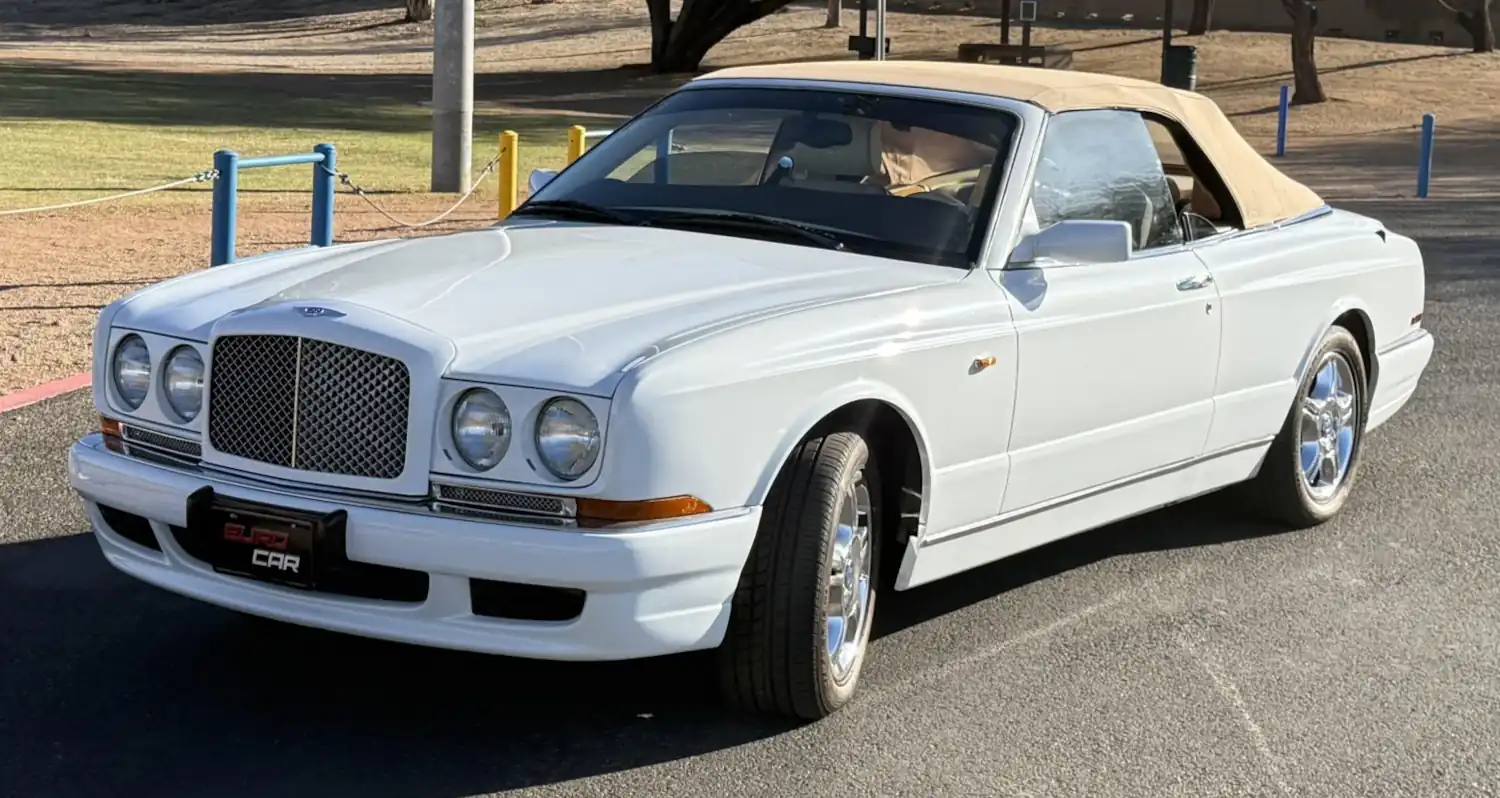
(578, 209)
(730, 220)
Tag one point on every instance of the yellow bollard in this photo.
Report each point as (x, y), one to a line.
(509, 172)
(576, 135)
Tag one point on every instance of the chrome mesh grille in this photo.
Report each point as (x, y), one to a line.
(309, 405)
(502, 500)
(167, 443)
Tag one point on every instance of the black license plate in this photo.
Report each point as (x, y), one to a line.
(264, 542)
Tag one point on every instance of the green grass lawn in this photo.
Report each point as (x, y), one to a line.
(69, 134)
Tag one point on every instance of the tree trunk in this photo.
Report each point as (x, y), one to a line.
(1480, 26)
(1307, 85)
(681, 44)
(661, 29)
(418, 10)
(1203, 14)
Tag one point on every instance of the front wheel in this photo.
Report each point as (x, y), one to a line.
(1309, 470)
(800, 620)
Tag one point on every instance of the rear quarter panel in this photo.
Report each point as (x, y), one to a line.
(1281, 289)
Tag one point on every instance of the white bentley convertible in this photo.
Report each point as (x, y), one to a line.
(794, 336)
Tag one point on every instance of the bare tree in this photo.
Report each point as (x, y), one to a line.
(1476, 20)
(1307, 87)
(418, 10)
(1203, 13)
(679, 45)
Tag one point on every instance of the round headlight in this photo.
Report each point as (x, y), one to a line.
(481, 428)
(183, 381)
(567, 437)
(131, 371)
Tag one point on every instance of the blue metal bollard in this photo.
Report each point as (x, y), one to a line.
(322, 196)
(1424, 167)
(226, 192)
(1286, 103)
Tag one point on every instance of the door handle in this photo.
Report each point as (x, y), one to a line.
(1195, 283)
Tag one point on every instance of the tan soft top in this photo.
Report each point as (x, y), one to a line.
(1263, 193)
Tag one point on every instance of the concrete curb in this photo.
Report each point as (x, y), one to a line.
(43, 392)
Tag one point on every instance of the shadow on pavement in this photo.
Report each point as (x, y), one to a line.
(115, 687)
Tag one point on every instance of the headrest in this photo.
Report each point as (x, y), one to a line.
(1180, 187)
(859, 158)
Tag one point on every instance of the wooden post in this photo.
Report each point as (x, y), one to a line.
(835, 14)
(1005, 21)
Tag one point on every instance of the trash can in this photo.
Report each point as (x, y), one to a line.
(1179, 67)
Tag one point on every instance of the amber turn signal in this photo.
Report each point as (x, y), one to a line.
(646, 510)
(114, 436)
(110, 427)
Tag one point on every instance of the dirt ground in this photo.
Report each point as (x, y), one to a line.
(563, 57)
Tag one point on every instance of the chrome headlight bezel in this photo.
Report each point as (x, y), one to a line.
(576, 454)
(193, 376)
(140, 377)
(481, 404)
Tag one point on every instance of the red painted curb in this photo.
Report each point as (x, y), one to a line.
(31, 396)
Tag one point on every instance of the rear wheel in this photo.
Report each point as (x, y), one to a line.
(800, 620)
(1310, 468)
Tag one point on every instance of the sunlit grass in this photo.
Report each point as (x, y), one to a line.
(66, 137)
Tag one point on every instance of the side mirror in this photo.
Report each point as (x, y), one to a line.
(539, 178)
(1077, 241)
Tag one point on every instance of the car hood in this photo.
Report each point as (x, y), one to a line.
(548, 304)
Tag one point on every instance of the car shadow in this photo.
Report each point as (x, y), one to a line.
(114, 687)
(1202, 522)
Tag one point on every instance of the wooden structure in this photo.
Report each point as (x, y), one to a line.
(1050, 56)
(1023, 54)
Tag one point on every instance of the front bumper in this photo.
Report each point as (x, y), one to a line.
(649, 590)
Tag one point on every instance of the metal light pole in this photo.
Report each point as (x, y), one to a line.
(1166, 27)
(452, 94)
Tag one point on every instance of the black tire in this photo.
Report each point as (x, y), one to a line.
(774, 655)
(1279, 492)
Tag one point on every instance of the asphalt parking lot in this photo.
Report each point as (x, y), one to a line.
(1181, 653)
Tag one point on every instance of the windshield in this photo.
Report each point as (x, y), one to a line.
(871, 173)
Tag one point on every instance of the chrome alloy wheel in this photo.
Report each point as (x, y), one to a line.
(848, 605)
(1328, 421)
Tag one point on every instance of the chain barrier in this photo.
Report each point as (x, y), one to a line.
(343, 177)
(212, 174)
(198, 178)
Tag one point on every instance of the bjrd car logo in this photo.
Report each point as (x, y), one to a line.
(270, 539)
(277, 560)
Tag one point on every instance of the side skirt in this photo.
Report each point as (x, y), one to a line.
(960, 549)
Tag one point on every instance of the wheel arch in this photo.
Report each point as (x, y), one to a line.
(898, 441)
(1350, 314)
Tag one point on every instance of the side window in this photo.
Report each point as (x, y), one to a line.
(1104, 165)
(723, 152)
(1196, 188)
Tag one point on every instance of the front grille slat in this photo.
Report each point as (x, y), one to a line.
(488, 498)
(309, 405)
